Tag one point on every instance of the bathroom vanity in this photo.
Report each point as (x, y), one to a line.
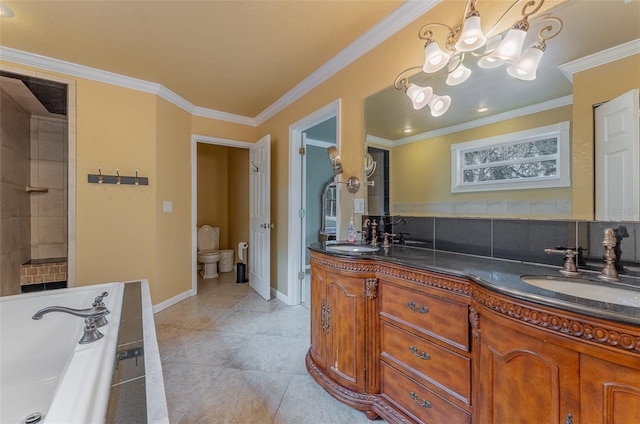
(418, 335)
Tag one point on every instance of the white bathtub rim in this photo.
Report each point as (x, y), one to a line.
(71, 401)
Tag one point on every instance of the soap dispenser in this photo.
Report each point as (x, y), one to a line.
(351, 232)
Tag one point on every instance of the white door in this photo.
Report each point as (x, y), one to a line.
(260, 217)
(617, 151)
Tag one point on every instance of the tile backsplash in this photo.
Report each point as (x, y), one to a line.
(519, 239)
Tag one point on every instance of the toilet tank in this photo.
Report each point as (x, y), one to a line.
(208, 238)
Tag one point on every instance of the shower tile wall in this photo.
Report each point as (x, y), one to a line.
(14, 201)
(49, 169)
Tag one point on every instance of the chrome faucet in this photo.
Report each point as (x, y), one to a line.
(94, 317)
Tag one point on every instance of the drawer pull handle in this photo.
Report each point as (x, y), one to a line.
(423, 309)
(425, 403)
(423, 355)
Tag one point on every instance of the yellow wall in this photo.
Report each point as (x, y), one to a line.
(173, 235)
(238, 198)
(421, 171)
(116, 225)
(590, 88)
(213, 188)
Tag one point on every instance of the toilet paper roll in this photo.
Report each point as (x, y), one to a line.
(241, 247)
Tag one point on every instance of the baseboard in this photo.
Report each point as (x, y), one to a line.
(172, 301)
(280, 296)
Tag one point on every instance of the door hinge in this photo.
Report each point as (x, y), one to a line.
(301, 275)
(302, 213)
(302, 151)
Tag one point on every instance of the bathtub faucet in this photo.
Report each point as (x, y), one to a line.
(97, 310)
(94, 317)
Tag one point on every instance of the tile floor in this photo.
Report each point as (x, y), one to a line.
(229, 356)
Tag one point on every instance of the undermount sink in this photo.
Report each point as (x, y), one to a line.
(353, 248)
(603, 292)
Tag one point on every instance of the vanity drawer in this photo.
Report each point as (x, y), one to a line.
(427, 360)
(420, 403)
(443, 319)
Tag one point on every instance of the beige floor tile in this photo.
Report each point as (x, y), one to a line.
(229, 356)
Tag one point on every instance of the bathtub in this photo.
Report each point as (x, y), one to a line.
(43, 368)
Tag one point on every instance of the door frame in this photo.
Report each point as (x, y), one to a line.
(295, 239)
(195, 139)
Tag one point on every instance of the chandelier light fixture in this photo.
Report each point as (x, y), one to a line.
(491, 51)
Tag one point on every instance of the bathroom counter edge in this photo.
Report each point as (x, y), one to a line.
(497, 275)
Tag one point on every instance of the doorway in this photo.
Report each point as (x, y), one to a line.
(237, 192)
(324, 127)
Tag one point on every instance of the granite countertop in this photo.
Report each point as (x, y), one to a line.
(502, 276)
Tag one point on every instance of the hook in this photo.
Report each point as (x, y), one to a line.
(136, 180)
(118, 178)
(100, 176)
(255, 168)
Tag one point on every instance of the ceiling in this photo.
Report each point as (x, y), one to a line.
(237, 57)
(590, 26)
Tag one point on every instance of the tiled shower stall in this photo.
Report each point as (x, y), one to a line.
(33, 198)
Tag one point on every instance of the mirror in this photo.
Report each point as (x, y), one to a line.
(418, 162)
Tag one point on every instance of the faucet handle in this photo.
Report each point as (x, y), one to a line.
(569, 267)
(387, 236)
(98, 300)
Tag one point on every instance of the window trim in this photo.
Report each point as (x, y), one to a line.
(562, 179)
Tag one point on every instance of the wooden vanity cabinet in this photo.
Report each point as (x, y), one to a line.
(523, 378)
(342, 310)
(425, 356)
(538, 364)
(413, 346)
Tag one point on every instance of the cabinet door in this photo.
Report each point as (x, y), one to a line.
(523, 378)
(318, 315)
(345, 320)
(610, 393)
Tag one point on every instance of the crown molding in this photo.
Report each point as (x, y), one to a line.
(379, 141)
(603, 57)
(408, 12)
(398, 19)
(528, 110)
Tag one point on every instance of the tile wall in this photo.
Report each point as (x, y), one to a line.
(15, 233)
(518, 239)
(49, 170)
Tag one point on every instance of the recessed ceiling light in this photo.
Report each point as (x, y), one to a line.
(5, 12)
(483, 109)
(407, 130)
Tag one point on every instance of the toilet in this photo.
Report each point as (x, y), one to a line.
(208, 253)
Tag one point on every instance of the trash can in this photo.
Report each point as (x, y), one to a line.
(242, 273)
(226, 261)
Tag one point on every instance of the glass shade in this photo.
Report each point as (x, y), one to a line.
(509, 49)
(434, 58)
(439, 104)
(471, 37)
(419, 96)
(486, 61)
(460, 74)
(525, 69)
